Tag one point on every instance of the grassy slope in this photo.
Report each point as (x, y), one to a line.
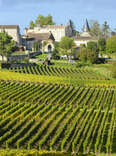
(103, 69)
(4, 75)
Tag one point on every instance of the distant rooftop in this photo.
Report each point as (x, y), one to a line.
(84, 38)
(52, 26)
(56, 26)
(9, 26)
(40, 36)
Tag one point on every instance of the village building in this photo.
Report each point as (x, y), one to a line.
(84, 37)
(13, 31)
(58, 31)
(45, 41)
(45, 36)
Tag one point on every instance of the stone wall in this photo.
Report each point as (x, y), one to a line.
(19, 57)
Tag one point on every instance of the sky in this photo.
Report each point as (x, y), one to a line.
(21, 12)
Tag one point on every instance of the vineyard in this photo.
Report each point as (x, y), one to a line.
(56, 117)
(59, 72)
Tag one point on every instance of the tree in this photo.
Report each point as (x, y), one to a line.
(44, 20)
(49, 20)
(66, 46)
(71, 23)
(40, 20)
(102, 44)
(6, 44)
(83, 45)
(105, 30)
(113, 70)
(74, 32)
(92, 46)
(55, 53)
(35, 46)
(87, 55)
(31, 24)
(95, 29)
(111, 45)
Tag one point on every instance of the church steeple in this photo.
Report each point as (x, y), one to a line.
(86, 30)
(86, 27)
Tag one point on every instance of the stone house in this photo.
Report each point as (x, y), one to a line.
(13, 31)
(58, 31)
(45, 41)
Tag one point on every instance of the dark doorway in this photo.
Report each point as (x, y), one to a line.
(49, 48)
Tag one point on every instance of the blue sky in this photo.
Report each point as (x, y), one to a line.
(21, 12)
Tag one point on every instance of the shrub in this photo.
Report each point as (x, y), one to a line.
(92, 46)
(111, 45)
(26, 60)
(87, 55)
(113, 70)
(82, 64)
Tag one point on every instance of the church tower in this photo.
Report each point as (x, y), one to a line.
(86, 27)
(86, 30)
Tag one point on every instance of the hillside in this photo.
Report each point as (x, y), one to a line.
(58, 110)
